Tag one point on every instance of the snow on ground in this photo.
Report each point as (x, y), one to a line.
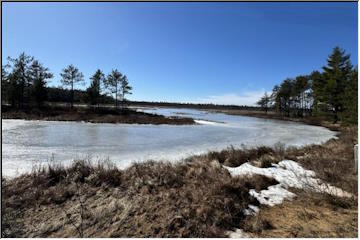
(289, 174)
(252, 210)
(238, 233)
(273, 195)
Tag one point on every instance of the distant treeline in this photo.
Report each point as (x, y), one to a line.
(24, 83)
(194, 105)
(332, 93)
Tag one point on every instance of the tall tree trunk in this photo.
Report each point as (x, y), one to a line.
(21, 103)
(116, 93)
(336, 115)
(122, 101)
(72, 95)
(303, 104)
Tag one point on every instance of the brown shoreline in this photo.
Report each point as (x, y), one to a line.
(93, 115)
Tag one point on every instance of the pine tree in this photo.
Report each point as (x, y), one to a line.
(350, 98)
(300, 87)
(264, 102)
(275, 98)
(337, 74)
(71, 76)
(285, 94)
(4, 84)
(39, 75)
(318, 88)
(113, 82)
(95, 88)
(125, 89)
(333, 90)
(19, 79)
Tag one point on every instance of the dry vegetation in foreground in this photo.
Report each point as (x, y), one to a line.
(193, 198)
(310, 214)
(93, 115)
(189, 199)
(304, 217)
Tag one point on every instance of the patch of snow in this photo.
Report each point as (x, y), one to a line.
(238, 233)
(289, 174)
(273, 195)
(251, 210)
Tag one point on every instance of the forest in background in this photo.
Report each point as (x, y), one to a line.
(24, 84)
(331, 93)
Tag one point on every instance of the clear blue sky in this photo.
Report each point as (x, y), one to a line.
(187, 52)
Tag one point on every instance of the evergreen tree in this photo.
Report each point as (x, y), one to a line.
(300, 87)
(39, 75)
(125, 89)
(350, 99)
(4, 84)
(4, 73)
(264, 102)
(19, 80)
(318, 88)
(113, 82)
(337, 74)
(332, 91)
(95, 88)
(71, 76)
(285, 94)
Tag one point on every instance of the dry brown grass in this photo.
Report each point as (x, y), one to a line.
(192, 199)
(303, 218)
(333, 161)
(316, 214)
(232, 157)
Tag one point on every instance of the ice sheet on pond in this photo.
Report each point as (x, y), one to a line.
(28, 143)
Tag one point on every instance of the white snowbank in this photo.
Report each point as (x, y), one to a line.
(289, 174)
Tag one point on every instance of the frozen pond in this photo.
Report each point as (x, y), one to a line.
(28, 143)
